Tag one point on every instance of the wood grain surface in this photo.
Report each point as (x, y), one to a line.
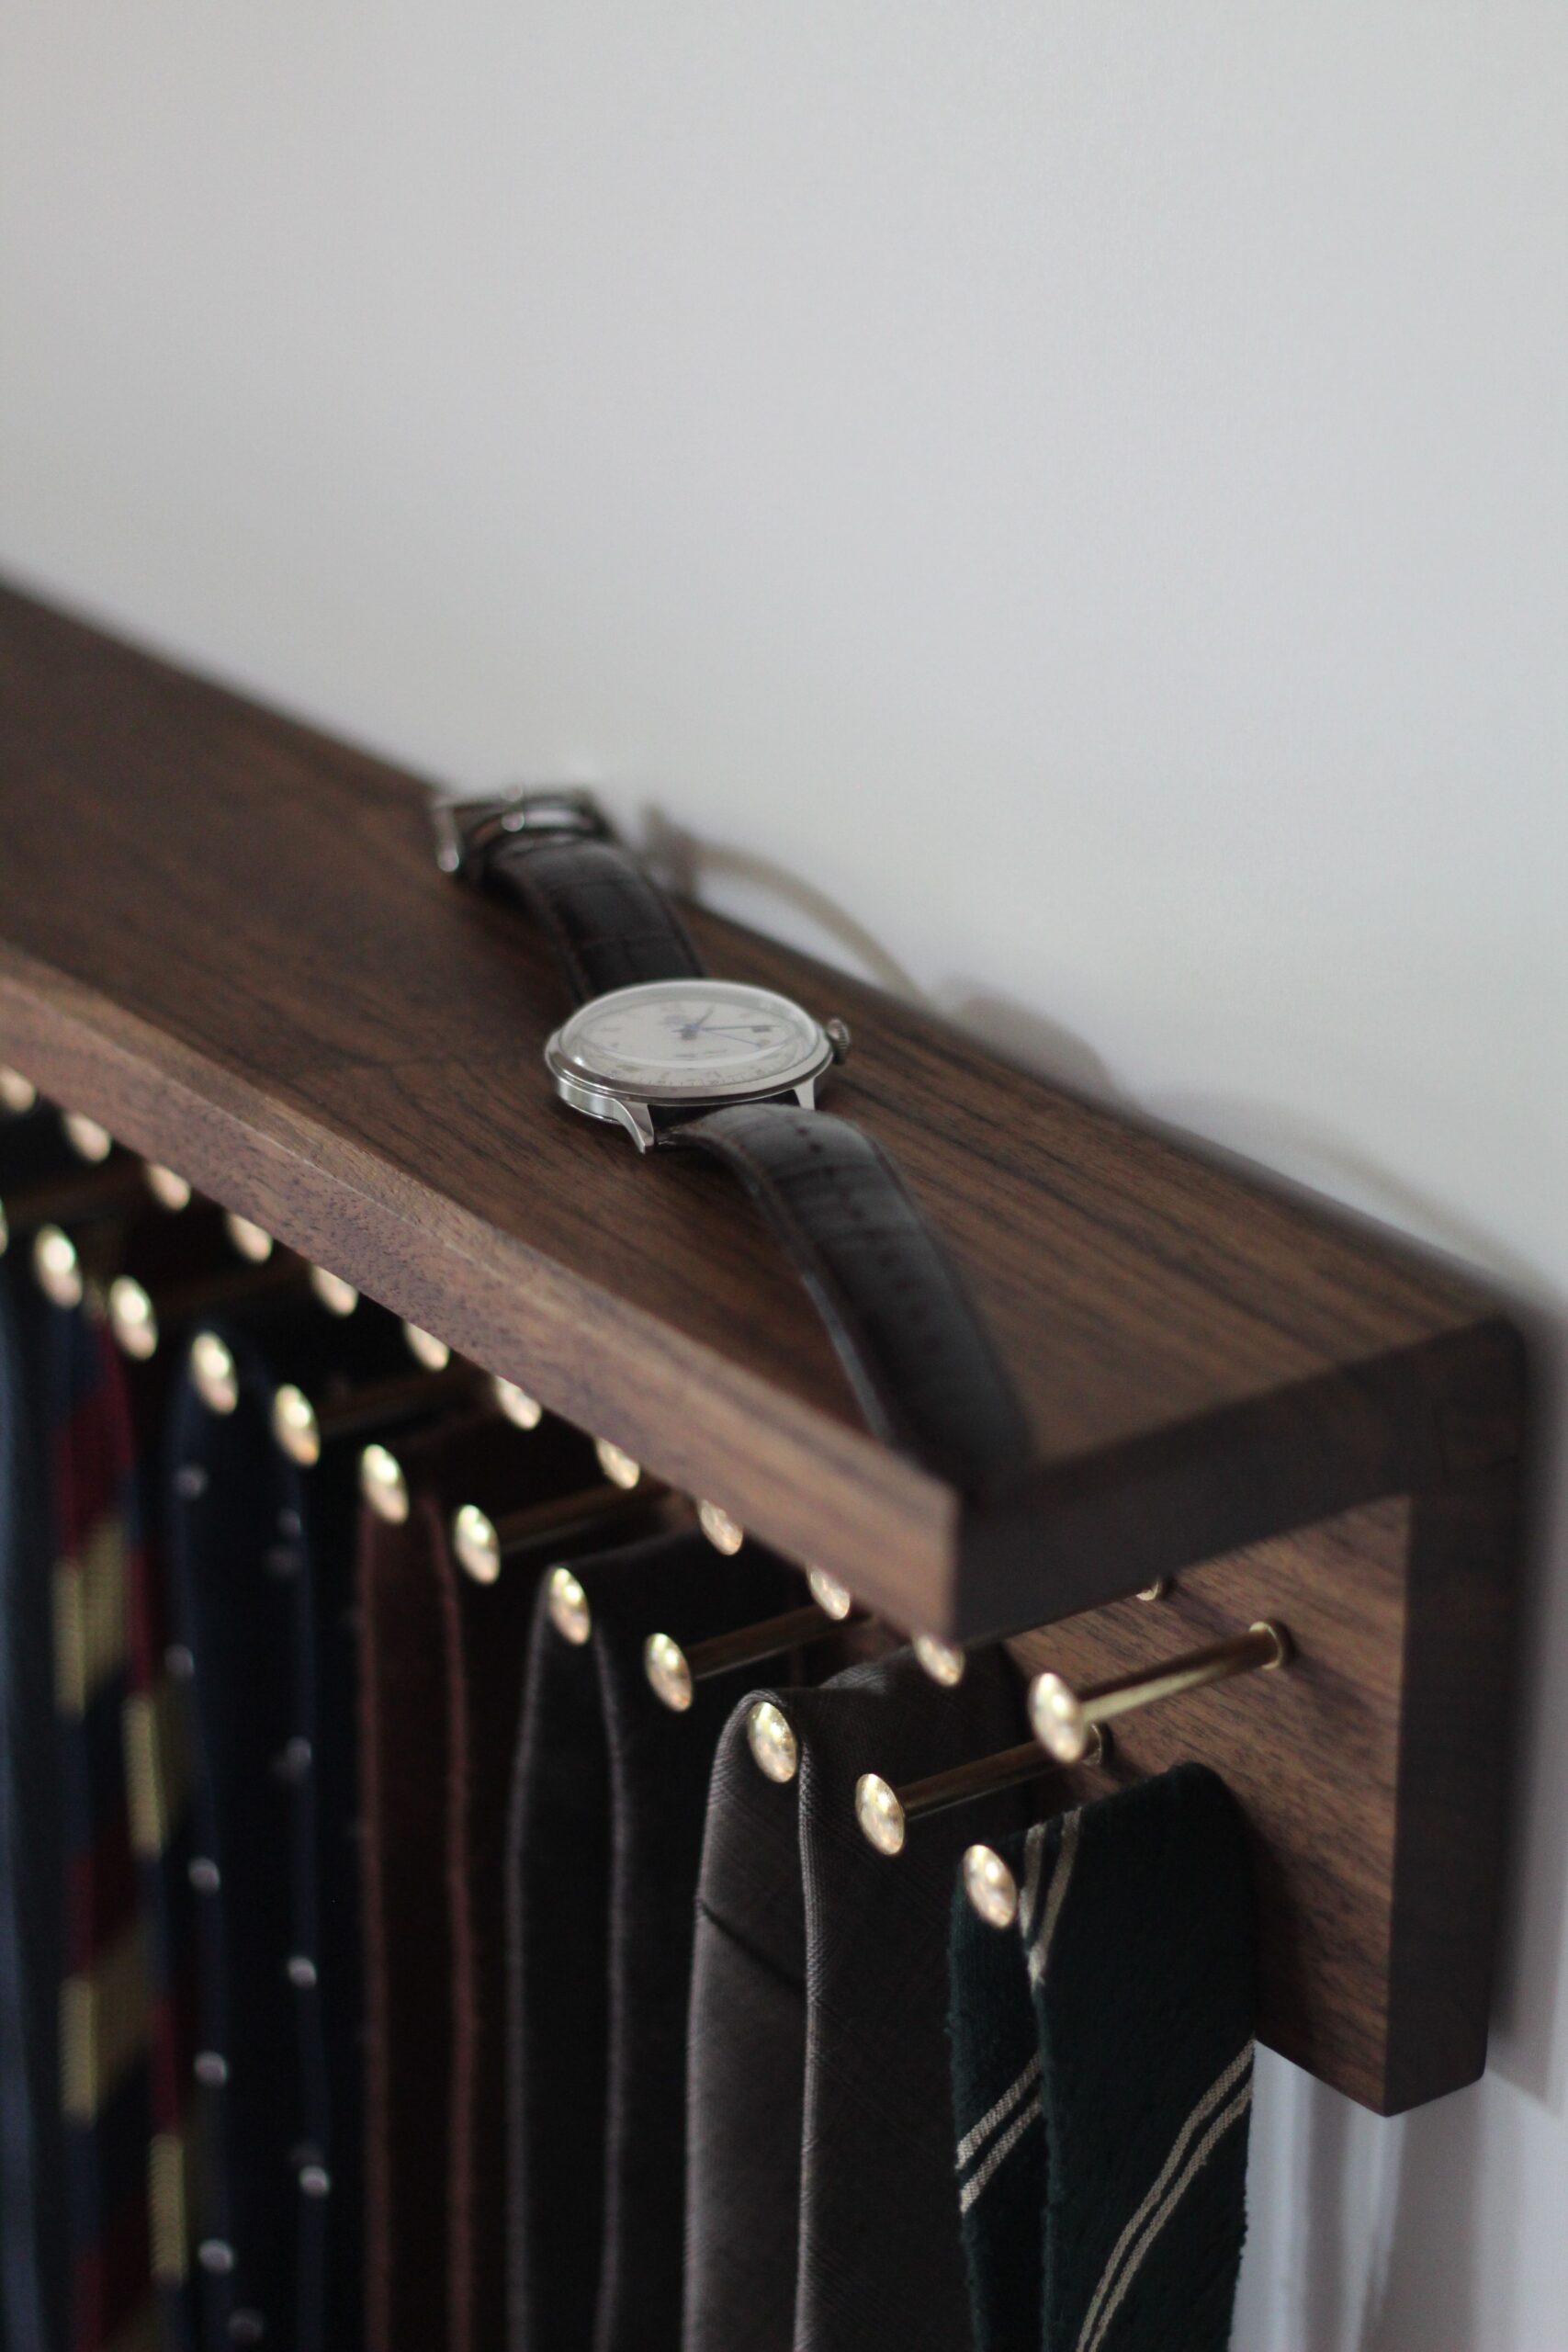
(224, 936)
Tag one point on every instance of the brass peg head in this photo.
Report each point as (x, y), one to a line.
(56, 1267)
(16, 1093)
(426, 1349)
(333, 1293)
(519, 1408)
(383, 1485)
(295, 1427)
(616, 1464)
(833, 1599)
(213, 1372)
(990, 1886)
(132, 1318)
(252, 1242)
(87, 1139)
(475, 1543)
(1064, 1720)
(770, 1737)
(880, 1814)
(1057, 1720)
(169, 1189)
(726, 1534)
(669, 1675)
(943, 1661)
(567, 1604)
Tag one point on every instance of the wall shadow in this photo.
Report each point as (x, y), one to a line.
(692, 866)
(1423, 2297)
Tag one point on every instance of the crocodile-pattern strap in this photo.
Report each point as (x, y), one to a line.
(611, 925)
(922, 1362)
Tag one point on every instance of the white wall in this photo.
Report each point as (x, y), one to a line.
(1081, 484)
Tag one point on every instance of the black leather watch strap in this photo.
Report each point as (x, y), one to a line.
(921, 1362)
(609, 924)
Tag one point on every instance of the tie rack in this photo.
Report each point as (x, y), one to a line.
(1269, 1521)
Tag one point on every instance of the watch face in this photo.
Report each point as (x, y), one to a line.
(690, 1038)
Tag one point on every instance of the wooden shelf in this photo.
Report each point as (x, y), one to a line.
(225, 937)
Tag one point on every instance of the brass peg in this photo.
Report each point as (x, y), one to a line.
(295, 1425)
(57, 1269)
(383, 1486)
(524, 1412)
(943, 1661)
(139, 1318)
(616, 1464)
(829, 1594)
(252, 1242)
(568, 1605)
(133, 1320)
(87, 1139)
(673, 1673)
(483, 1545)
(17, 1094)
(214, 1375)
(168, 1188)
(770, 1736)
(1063, 1718)
(990, 1886)
(426, 1349)
(726, 1534)
(339, 1298)
(884, 1813)
(304, 1430)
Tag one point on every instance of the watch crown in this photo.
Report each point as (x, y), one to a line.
(836, 1033)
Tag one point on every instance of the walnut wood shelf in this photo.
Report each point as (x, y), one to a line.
(223, 936)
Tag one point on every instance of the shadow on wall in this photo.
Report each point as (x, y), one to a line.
(692, 866)
(1427, 2282)
(1393, 2269)
(702, 870)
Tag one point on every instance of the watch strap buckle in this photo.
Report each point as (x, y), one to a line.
(468, 830)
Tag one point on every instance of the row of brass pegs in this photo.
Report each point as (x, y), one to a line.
(135, 1244)
(92, 1217)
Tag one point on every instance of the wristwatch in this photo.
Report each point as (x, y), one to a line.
(681, 1059)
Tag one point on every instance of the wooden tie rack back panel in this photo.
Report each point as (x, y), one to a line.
(223, 937)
